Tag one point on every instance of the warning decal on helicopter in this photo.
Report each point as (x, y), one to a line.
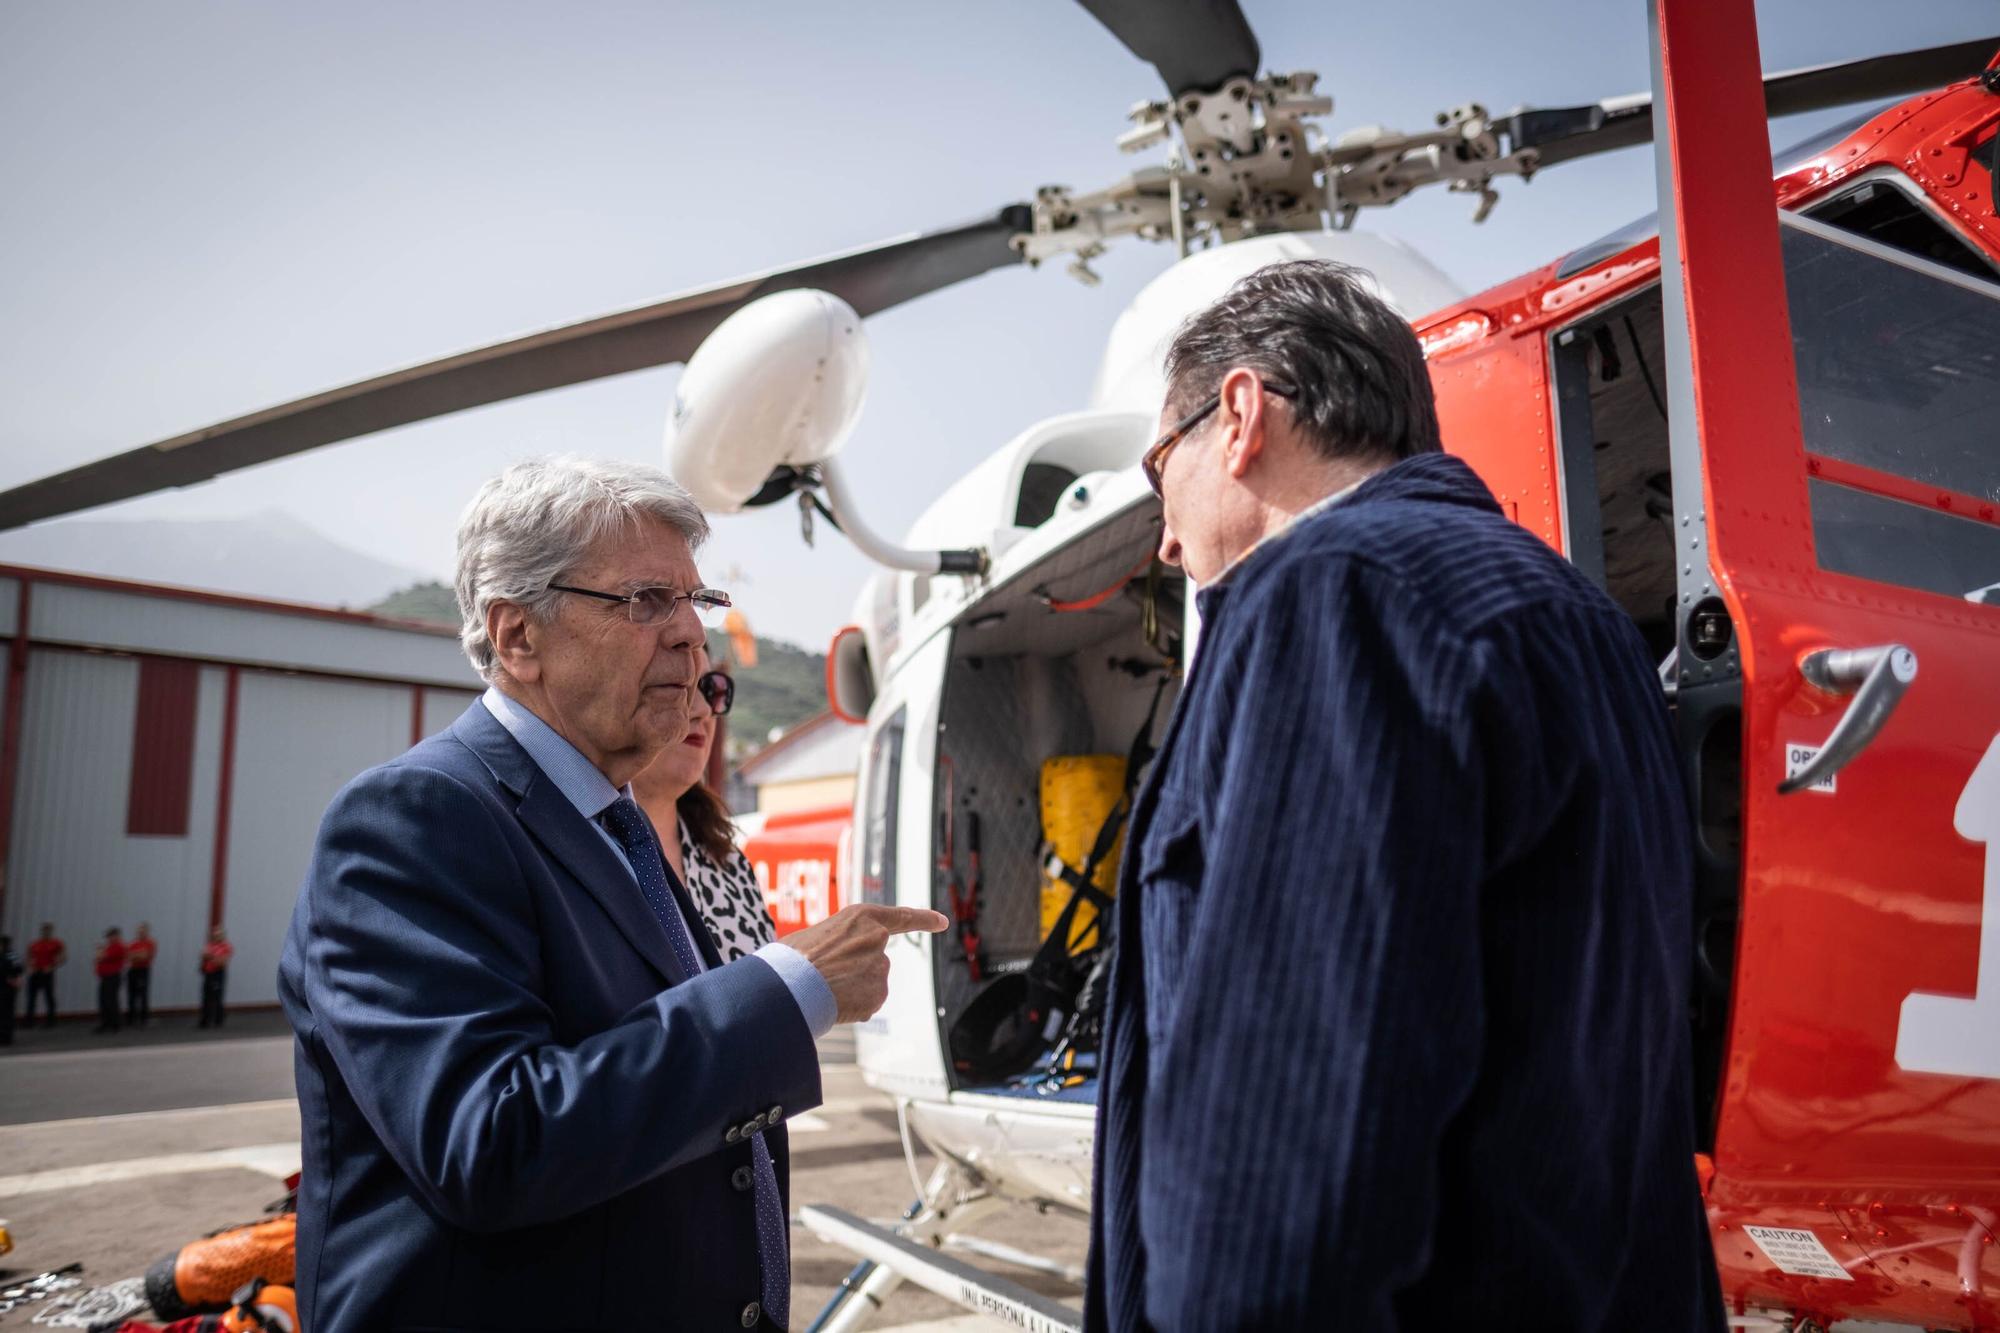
(1797, 757)
(1798, 1252)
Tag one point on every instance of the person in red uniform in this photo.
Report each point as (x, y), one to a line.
(214, 974)
(110, 979)
(45, 955)
(139, 955)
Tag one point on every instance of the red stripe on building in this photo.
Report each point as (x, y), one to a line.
(162, 784)
(10, 733)
(224, 787)
(416, 713)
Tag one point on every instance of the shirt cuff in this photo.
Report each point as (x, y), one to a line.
(808, 987)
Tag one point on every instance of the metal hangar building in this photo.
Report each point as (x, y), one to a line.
(166, 754)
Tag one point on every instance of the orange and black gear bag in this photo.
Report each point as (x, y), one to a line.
(207, 1275)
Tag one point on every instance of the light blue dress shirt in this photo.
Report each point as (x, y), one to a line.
(592, 794)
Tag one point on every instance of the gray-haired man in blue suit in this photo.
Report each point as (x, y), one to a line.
(533, 1097)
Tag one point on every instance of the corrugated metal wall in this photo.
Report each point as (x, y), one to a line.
(299, 736)
(299, 740)
(72, 860)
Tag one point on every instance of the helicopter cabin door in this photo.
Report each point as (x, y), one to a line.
(901, 1049)
(1864, 1049)
(1837, 689)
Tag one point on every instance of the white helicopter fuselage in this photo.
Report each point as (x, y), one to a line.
(922, 631)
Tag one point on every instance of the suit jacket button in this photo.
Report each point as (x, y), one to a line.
(735, 1134)
(774, 1115)
(740, 1179)
(751, 1314)
(751, 1126)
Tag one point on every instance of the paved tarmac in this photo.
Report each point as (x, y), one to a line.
(67, 1073)
(116, 1152)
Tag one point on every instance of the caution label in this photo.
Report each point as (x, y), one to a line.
(1797, 757)
(1798, 1252)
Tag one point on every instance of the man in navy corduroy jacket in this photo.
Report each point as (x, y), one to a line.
(1398, 1021)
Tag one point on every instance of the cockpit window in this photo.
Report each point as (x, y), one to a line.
(1899, 362)
(1899, 372)
(1912, 546)
(1882, 212)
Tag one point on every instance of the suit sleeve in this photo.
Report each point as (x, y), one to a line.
(1329, 1021)
(422, 971)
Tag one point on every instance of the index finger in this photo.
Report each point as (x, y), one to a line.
(902, 920)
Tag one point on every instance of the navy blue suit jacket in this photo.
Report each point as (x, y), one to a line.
(1398, 1030)
(516, 1110)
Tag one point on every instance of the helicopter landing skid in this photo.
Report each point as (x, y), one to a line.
(914, 1251)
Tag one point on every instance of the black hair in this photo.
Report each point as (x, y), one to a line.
(1363, 391)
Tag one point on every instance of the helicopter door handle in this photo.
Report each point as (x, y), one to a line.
(1877, 678)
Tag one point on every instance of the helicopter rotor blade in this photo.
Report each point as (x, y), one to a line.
(870, 279)
(1196, 45)
(1561, 134)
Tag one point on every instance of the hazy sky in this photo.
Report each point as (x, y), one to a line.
(211, 206)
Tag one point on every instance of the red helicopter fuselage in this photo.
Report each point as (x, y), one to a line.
(1848, 991)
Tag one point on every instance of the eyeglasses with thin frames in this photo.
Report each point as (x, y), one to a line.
(1154, 461)
(650, 606)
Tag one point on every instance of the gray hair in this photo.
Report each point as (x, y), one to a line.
(1362, 389)
(538, 519)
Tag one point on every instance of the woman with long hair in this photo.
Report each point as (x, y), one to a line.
(695, 829)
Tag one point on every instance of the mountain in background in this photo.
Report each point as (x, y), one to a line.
(787, 686)
(429, 600)
(271, 554)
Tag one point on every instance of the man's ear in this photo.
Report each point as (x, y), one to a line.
(1242, 412)
(512, 631)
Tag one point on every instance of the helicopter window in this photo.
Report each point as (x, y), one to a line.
(1873, 537)
(1898, 360)
(885, 789)
(1881, 212)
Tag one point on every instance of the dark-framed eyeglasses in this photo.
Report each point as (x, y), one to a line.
(719, 689)
(1154, 461)
(650, 606)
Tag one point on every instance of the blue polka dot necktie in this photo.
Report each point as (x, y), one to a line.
(627, 823)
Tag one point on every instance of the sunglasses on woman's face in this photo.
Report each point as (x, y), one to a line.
(719, 689)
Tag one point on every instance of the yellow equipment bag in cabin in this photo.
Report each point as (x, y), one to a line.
(1079, 792)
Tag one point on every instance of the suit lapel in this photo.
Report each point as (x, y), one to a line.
(568, 837)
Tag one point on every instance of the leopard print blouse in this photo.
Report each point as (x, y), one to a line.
(728, 899)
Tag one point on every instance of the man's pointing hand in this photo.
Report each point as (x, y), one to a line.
(849, 948)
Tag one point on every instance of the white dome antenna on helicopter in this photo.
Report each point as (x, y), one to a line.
(766, 402)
